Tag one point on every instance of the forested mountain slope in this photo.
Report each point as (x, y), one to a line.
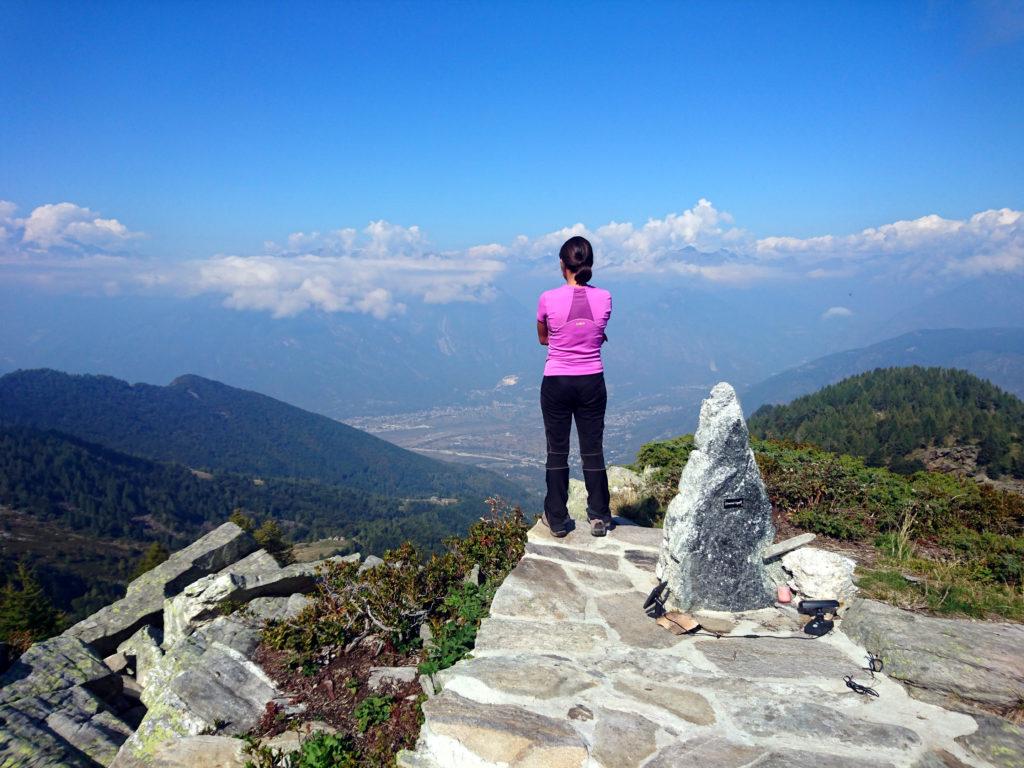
(996, 354)
(208, 425)
(895, 416)
(81, 514)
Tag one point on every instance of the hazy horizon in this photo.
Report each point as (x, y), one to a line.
(353, 207)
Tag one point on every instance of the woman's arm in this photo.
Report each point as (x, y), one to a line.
(542, 333)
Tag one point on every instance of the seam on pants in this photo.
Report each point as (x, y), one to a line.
(550, 468)
(598, 469)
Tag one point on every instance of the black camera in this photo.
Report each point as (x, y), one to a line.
(814, 607)
(819, 625)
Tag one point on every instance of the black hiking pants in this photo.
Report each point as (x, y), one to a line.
(562, 399)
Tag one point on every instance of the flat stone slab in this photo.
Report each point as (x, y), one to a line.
(538, 677)
(821, 724)
(777, 657)
(978, 661)
(624, 613)
(645, 560)
(471, 733)
(603, 581)
(684, 704)
(623, 739)
(637, 536)
(718, 752)
(539, 589)
(570, 555)
(569, 671)
(511, 635)
(780, 548)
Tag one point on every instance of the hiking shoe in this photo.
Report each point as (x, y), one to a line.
(558, 533)
(598, 527)
(608, 520)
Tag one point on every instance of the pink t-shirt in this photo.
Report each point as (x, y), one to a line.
(576, 317)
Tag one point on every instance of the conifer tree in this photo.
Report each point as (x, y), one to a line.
(153, 556)
(26, 613)
(239, 518)
(271, 538)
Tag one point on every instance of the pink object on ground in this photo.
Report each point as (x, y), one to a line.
(785, 594)
(576, 317)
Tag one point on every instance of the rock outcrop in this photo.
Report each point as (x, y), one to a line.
(154, 678)
(203, 599)
(976, 662)
(719, 523)
(204, 684)
(143, 602)
(60, 705)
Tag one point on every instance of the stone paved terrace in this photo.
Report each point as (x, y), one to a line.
(568, 672)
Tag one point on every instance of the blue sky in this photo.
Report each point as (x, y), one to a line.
(212, 127)
(358, 157)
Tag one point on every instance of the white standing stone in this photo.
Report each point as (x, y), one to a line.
(720, 522)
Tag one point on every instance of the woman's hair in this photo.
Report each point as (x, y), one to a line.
(578, 257)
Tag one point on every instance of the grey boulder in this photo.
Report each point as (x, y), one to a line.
(203, 599)
(144, 600)
(204, 684)
(60, 705)
(719, 522)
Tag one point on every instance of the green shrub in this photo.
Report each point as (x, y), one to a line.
(390, 602)
(371, 711)
(321, 750)
(844, 524)
(941, 587)
(1000, 557)
(455, 634)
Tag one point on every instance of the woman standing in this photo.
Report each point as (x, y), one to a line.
(570, 321)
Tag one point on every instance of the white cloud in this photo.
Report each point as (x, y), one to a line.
(381, 268)
(674, 244)
(64, 246)
(927, 247)
(373, 271)
(703, 242)
(69, 226)
(832, 312)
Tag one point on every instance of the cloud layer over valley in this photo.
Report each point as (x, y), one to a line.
(378, 270)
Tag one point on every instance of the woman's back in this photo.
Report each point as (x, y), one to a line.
(576, 317)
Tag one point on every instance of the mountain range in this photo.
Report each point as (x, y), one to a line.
(996, 354)
(92, 468)
(204, 424)
(908, 419)
(667, 333)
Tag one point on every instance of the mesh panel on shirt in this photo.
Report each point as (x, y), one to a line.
(580, 308)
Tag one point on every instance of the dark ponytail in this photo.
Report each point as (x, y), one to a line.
(578, 257)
